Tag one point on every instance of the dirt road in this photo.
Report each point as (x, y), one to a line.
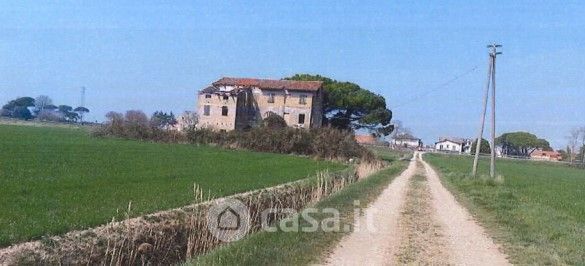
(416, 221)
(369, 245)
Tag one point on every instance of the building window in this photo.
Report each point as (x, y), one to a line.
(206, 109)
(224, 110)
(271, 98)
(207, 96)
(226, 97)
(303, 99)
(301, 118)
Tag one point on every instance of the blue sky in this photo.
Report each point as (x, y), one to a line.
(153, 55)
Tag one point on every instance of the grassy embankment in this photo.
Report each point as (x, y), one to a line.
(537, 213)
(53, 180)
(285, 248)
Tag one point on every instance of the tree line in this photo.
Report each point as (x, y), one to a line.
(135, 124)
(43, 109)
(521, 144)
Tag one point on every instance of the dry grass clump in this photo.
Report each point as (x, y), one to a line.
(366, 169)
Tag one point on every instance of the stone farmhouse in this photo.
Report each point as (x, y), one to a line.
(240, 103)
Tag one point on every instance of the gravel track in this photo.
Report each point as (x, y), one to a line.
(417, 222)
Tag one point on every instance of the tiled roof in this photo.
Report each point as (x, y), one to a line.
(270, 84)
(454, 140)
(545, 153)
(406, 136)
(367, 139)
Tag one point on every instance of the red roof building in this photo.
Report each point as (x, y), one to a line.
(546, 155)
(366, 139)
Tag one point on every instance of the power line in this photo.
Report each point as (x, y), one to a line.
(427, 93)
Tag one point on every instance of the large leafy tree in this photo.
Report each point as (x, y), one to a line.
(24, 102)
(81, 111)
(65, 108)
(161, 119)
(521, 143)
(18, 108)
(68, 113)
(349, 106)
(483, 149)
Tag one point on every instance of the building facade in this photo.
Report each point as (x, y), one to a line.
(240, 103)
(457, 145)
(407, 141)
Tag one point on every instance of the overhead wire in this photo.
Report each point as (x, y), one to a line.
(430, 91)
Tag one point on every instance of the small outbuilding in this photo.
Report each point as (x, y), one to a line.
(458, 145)
(546, 155)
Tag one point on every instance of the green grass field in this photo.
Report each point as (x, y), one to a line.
(53, 180)
(389, 155)
(537, 213)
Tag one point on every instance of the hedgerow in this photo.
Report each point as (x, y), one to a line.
(324, 143)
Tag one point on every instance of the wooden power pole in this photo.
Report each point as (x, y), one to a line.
(491, 79)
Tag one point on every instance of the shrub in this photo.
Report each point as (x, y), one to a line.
(49, 115)
(273, 121)
(272, 136)
(115, 124)
(331, 143)
(203, 136)
(136, 125)
(328, 143)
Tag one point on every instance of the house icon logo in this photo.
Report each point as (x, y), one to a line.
(228, 220)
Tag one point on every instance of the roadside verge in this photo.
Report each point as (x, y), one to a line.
(298, 246)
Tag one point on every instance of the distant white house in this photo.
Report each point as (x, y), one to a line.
(458, 145)
(407, 141)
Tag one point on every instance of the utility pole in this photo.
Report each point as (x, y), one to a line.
(493, 53)
(482, 119)
(491, 79)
